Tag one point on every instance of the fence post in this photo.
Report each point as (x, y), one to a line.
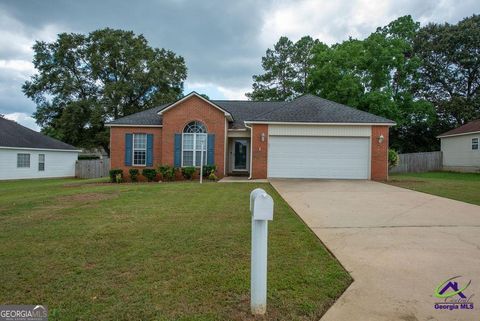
(261, 206)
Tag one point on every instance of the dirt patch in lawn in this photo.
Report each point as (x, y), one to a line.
(86, 197)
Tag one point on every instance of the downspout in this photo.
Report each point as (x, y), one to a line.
(251, 149)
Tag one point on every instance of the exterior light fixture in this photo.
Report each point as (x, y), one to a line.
(262, 137)
(380, 139)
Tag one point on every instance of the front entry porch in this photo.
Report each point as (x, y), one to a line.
(238, 156)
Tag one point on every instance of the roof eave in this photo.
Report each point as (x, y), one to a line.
(459, 134)
(131, 125)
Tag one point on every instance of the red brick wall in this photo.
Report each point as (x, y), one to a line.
(379, 163)
(259, 151)
(194, 108)
(117, 146)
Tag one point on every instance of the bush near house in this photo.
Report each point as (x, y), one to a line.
(208, 169)
(393, 158)
(149, 174)
(113, 173)
(167, 172)
(188, 172)
(133, 174)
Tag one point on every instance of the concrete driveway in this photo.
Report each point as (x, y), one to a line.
(397, 244)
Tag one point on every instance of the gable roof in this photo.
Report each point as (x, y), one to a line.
(468, 128)
(15, 135)
(305, 109)
(194, 94)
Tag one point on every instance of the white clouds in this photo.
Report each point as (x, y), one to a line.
(234, 93)
(335, 21)
(16, 53)
(24, 120)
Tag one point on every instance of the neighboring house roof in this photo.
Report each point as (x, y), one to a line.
(468, 128)
(304, 109)
(15, 135)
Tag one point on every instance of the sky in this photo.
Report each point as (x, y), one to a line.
(222, 41)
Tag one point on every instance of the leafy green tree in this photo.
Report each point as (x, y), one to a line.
(84, 81)
(286, 69)
(378, 75)
(450, 69)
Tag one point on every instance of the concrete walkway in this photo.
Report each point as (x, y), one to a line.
(397, 244)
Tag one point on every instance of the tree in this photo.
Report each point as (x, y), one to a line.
(286, 70)
(84, 81)
(450, 69)
(378, 75)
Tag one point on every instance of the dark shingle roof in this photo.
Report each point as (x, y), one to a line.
(307, 108)
(15, 135)
(313, 109)
(148, 117)
(471, 127)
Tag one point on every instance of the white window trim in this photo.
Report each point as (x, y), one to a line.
(41, 170)
(194, 150)
(134, 149)
(478, 144)
(29, 160)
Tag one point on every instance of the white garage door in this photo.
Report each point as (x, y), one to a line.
(318, 157)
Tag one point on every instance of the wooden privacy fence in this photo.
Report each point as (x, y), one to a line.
(418, 162)
(92, 168)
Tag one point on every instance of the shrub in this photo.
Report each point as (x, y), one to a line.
(113, 174)
(393, 158)
(212, 176)
(133, 174)
(149, 173)
(118, 178)
(167, 172)
(188, 172)
(207, 170)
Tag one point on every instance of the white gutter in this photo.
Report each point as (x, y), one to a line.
(316, 124)
(251, 150)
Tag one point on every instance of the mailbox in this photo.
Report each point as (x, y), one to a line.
(254, 194)
(263, 207)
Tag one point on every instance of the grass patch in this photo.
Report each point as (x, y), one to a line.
(170, 251)
(463, 187)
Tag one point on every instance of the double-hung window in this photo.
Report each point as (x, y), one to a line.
(41, 162)
(139, 149)
(23, 160)
(475, 143)
(194, 138)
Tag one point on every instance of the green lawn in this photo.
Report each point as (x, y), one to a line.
(463, 187)
(169, 251)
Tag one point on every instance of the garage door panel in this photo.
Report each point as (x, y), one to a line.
(318, 157)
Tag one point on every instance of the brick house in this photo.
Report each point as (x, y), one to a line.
(308, 137)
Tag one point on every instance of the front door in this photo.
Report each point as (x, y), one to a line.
(240, 155)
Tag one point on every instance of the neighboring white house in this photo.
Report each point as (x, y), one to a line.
(461, 148)
(25, 153)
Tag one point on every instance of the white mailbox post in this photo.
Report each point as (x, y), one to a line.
(261, 206)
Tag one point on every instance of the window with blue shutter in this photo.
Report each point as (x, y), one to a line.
(149, 149)
(211, 149)
(128, 149)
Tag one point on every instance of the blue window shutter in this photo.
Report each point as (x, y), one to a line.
(149, 149)
(128, 149)
(177, 153)
(211, 149)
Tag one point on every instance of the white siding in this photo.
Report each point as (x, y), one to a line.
(457, 151)
(57, 164)
(319, 157)
(319, 130)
